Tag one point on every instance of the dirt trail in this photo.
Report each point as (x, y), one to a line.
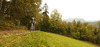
(11, 32)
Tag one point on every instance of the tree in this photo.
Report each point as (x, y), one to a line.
(79, 24)
(99, 24)
(45, 13)
(95, 29)
(24, 9)
(55, 21)
(19, 12)
(45, 18)
(55, 15)
(74, 23)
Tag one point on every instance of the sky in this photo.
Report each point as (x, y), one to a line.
(7, 0)
(88, 10)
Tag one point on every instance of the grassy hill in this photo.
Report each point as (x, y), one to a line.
(41, 39)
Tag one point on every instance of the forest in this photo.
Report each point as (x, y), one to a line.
(16, 14)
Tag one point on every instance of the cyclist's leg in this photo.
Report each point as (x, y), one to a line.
(31, 27)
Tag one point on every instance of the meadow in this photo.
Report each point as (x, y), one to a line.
(41, 39)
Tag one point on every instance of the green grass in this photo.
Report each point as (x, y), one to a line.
(41, 39)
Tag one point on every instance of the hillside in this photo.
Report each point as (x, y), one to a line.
(41, 39)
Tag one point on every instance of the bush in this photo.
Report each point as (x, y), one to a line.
(9, 25)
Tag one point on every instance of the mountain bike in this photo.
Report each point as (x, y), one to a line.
(32, 27)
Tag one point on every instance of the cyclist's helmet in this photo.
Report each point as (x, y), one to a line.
(32, 17)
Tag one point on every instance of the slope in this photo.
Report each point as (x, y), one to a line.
(41, 39)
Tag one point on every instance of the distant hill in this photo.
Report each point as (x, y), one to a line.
(41, 39)
(76, 19)
(82, 20)
(93, 23)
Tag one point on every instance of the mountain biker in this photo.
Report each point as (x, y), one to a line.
(32, 24)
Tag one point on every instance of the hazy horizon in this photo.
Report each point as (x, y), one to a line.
(88, 10)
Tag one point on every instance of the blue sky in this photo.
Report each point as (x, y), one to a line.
(85, 9)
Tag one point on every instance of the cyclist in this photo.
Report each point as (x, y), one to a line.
(32, 24)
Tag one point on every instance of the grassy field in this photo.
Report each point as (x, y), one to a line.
(41, 39)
